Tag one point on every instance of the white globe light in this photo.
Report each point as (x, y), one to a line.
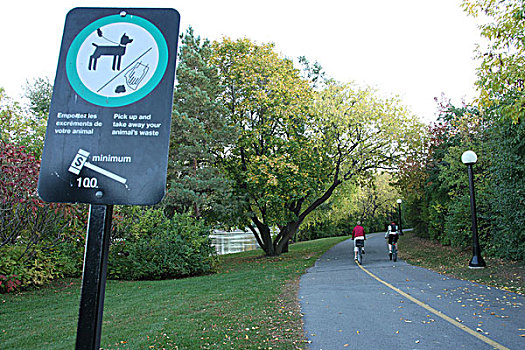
(469, 157)
(399, 201)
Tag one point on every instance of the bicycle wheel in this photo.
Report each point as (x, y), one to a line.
(359, 255)
(394, 253)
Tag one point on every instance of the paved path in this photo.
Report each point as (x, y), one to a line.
(386, 305)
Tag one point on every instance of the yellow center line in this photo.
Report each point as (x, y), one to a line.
(438, 313)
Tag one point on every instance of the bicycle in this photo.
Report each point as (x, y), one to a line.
(360, 244)
(394, 251)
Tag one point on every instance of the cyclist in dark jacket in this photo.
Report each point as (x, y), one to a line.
(392, 234)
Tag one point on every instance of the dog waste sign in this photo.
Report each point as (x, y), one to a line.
(107, 135)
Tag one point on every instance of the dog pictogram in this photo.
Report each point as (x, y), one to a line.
(117, 51)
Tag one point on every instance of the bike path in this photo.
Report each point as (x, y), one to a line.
(386, 305)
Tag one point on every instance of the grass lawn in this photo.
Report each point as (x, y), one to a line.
(250, 303)
(454, 262)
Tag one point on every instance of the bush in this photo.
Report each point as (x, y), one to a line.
(146, 245)
(19, 271)
(38, 241)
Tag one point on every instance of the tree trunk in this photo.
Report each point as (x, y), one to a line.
(196, 209)
(263, 236)
(276, 246)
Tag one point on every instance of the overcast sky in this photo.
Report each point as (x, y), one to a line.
(416, 49)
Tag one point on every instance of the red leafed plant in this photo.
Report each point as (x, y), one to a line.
(29, 228)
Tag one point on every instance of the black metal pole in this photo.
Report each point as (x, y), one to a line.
(94, 277)
(400, 227)
(477, 260)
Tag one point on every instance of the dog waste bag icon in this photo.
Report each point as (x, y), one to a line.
(80, 161)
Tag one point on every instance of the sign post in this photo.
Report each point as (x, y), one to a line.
(107, 137)
(94, 277)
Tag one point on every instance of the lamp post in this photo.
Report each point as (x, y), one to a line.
(469, 158)
(399, 201)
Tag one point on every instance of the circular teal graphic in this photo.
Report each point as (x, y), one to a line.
(116, 61)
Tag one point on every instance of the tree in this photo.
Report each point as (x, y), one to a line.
(503, 58)
(199, 135)
(296, 146)
(39, 93)
(506, 189)
(267, 100)
(314, 73)
(502, 100)
(20, 126)
(362, 133)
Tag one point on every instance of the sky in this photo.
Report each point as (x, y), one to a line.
(416, 49)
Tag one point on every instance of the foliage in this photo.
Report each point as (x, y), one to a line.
(9, 283)
(148, 245)
(45, 263)
(39, 94)
(506, 189)
(503, 57)
(32, 233)
(442, 198)
(21, 127)
(370, 200)
(319, 229)
(267, 100)
(199, 135)
(494, 130)
(313, 72)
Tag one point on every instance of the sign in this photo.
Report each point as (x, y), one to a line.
(107, 135)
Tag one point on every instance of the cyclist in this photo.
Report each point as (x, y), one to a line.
(392, 234)
(358, 233)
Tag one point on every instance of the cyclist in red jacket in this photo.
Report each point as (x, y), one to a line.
(358, 233)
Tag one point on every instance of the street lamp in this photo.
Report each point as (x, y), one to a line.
(399, 201)
(469, 158)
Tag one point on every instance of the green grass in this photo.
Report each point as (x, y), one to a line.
(250, 303)
(453, 261)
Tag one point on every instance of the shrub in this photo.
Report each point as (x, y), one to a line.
(148, 245)
(9, 283)
(45, 263)
(38, 241)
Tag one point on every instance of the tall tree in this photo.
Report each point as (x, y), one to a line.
(297, 146)
(199, 135)
(502, 55)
